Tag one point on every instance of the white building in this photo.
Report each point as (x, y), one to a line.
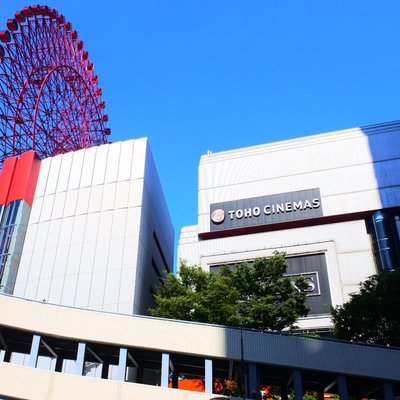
(330, 201)
(98, 234)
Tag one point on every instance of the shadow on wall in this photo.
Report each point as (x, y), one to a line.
(384, 224)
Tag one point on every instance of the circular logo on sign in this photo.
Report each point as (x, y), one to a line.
(218, 216)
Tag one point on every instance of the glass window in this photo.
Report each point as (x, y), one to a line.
(12, 235)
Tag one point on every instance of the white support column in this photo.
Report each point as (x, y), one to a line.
(208, 367)
(164, 369)
(342, 383)
(123, 356)
(80, 359)
(298, 385)
(33, 355)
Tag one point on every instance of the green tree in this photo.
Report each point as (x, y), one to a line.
(373, 314)
(256, 295)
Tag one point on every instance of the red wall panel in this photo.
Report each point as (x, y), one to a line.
(25, 177)
(6, 176)
(18, 178)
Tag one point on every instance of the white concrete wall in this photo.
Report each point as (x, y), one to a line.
(355, 170)
(155, 220)
(84, 244)
(26, 383)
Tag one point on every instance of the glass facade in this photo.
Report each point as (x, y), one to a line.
(13, 225)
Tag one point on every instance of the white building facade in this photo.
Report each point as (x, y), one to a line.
(99, 234)
(329, 201)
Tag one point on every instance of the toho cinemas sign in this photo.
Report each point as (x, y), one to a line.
(263, 210)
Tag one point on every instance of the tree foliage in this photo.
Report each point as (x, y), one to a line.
(252, 296)
(373, 314)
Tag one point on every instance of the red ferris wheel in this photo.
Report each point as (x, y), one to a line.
(49, 98)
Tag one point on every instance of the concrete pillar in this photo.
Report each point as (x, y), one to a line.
(208, 375)
(164, 369)
(34, 354)
(59, 363)
(253, 380)
(7, 355)
(123, 357)
(80, 359)
(388, 391)
(342, 383)
(298, 385)
(104, 370)
(175, 379)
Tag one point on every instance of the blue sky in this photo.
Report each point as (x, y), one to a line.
(215, 75)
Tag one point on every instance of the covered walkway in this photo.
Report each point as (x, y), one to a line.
(138, 355)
